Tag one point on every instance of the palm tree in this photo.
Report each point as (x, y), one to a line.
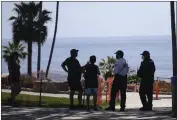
(26, 26)
(54, 37)
(106, 66)
(39, 45)
(13, 47)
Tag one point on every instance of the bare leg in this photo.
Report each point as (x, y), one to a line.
(95, 100)
(88, 100)
(80, 97)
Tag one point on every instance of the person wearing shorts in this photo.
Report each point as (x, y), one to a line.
(74, 71)
(91, 81)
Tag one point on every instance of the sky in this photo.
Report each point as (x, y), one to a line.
(101, 19)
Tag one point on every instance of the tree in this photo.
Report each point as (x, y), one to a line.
(107, 66)
(54, 37)
(39, 44)
(26, 26)
(13, 47)
(132, 77)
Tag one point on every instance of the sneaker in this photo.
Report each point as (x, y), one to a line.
(110, 108)
(122, 109)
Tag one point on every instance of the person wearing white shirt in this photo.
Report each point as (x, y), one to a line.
(120, 81)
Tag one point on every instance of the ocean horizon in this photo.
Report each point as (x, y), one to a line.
(160, 48)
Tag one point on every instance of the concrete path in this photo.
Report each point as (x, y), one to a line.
(9, 113)
(161, 110)
(133, 100)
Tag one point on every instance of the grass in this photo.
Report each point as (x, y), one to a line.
(32, 100)
(52, 102)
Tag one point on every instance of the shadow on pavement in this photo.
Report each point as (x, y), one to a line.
(9, 113)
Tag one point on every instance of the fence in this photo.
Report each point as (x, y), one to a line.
(47, 93)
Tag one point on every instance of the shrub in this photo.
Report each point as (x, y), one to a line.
(27, 81)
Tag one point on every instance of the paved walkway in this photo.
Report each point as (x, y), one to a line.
(133, 100)
(161, 110)
(9, 113)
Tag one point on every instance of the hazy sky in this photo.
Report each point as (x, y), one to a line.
(99, 19)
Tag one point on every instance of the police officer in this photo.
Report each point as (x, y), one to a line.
(120, 81)
(146, 73)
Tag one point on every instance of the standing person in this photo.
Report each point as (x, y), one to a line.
(146, 73)
(14, 77)
(91, 81)
(120, 81)
(74, 71)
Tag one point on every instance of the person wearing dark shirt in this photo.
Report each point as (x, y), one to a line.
(91, 81)
(14, 77)
(146, 73)
(72, 66)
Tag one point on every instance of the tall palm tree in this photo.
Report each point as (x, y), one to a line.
(13, 47)
(54, 37)
(26, 26)
(39, 44)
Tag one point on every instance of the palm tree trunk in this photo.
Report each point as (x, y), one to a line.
(29, 57)
(39, 45)
(54, 37)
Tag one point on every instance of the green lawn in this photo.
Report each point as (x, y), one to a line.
(32, 100)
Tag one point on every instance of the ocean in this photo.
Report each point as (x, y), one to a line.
(160, 48)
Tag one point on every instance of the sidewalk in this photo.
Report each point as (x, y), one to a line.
(161, 110)
(9, 113)
(133, 100)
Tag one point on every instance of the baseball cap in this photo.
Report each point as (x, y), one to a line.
(145, 53)
(119, 52)
(73, 51)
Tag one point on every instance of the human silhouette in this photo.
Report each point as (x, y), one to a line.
(91, 81)
(72, 66)
(146, 73)
(120, 81)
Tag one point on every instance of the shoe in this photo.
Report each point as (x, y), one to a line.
(122, 109)
(110, 108)
(143, 109)
(95, 109)
(149, 108)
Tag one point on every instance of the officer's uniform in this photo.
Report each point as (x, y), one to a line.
(146, 73)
